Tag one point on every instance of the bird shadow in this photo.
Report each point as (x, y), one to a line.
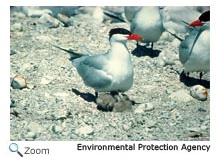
(141, 51)
(86, 96)
(191, 81)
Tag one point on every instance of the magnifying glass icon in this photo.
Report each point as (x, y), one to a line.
(14, 148)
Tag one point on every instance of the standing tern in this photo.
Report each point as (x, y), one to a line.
(147, 22)
(109, 72)
(194, 51)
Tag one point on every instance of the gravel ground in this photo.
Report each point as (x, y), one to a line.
(56, 105)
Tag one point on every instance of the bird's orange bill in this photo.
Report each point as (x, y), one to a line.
(134, 37)
(196, 23)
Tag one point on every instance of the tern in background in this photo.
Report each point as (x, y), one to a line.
(194, 51)
(147, 23)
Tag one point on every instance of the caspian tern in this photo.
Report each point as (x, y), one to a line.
(194, 51)
(109, 72)
(147, 23)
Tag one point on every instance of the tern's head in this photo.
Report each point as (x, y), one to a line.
(121, 34)
(203, 19)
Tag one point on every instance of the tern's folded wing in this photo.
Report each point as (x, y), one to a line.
(93, 72)
(187, 45)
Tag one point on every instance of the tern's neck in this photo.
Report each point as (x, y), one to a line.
(119, 50)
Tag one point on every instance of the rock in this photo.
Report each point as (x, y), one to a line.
(61, 94)
(144, 107)
(60, 114)
(12, 52)
(199, 92)
(166, 57)
(17, 27)
(85, 130)
(31, 135)
(19, 82)
(67, 21)
(46, 80)
(13, 103)
(49, 21)
(19, 15)
(181, 96)
(35, 12)
(35, 127)
(56, 129)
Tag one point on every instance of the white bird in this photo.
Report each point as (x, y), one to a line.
(109, 72)
(194, 51)
(173, 18)
(147, 23)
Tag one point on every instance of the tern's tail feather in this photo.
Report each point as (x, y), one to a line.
(71, 52)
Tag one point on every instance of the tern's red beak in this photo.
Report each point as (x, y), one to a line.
(134, 37)
(196, 23)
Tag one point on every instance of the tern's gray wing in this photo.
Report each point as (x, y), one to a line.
(93, 72)
(187, 45)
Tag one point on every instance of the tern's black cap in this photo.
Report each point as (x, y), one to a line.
(205, 17)
(118, 31)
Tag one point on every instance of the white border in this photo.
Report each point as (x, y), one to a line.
(67, 149)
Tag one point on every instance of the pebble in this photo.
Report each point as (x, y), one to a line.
(34, 12)
(144, 107)
(181, 96)
(12, 52)
(61, 94)
(49, 21)
(13, 103)
(35, 127)
(60, 114)
(56, 129)
(85, 130)
(46, 80)
(32, 135)
(17, 27)
(67, 21)
(199, 92)
(166, 57)
(19, 82)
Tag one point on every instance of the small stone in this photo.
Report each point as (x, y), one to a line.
(35, 127)
(65, 19)
(60, 114)
(32, 135)
(56, 129)
(144, 107)
(46, 80)
(17, 27)
(12, 52)
(199, 92)
(49, 21)
(60, 94)
(166, 57)
(13, 104)
(85, 130)
(181, 96)
(34, 12)
(19, 82)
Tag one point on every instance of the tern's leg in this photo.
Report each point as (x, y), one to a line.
(187, 74)
(152, 46)
(96, 94)
(200, 75)
(117, 95)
